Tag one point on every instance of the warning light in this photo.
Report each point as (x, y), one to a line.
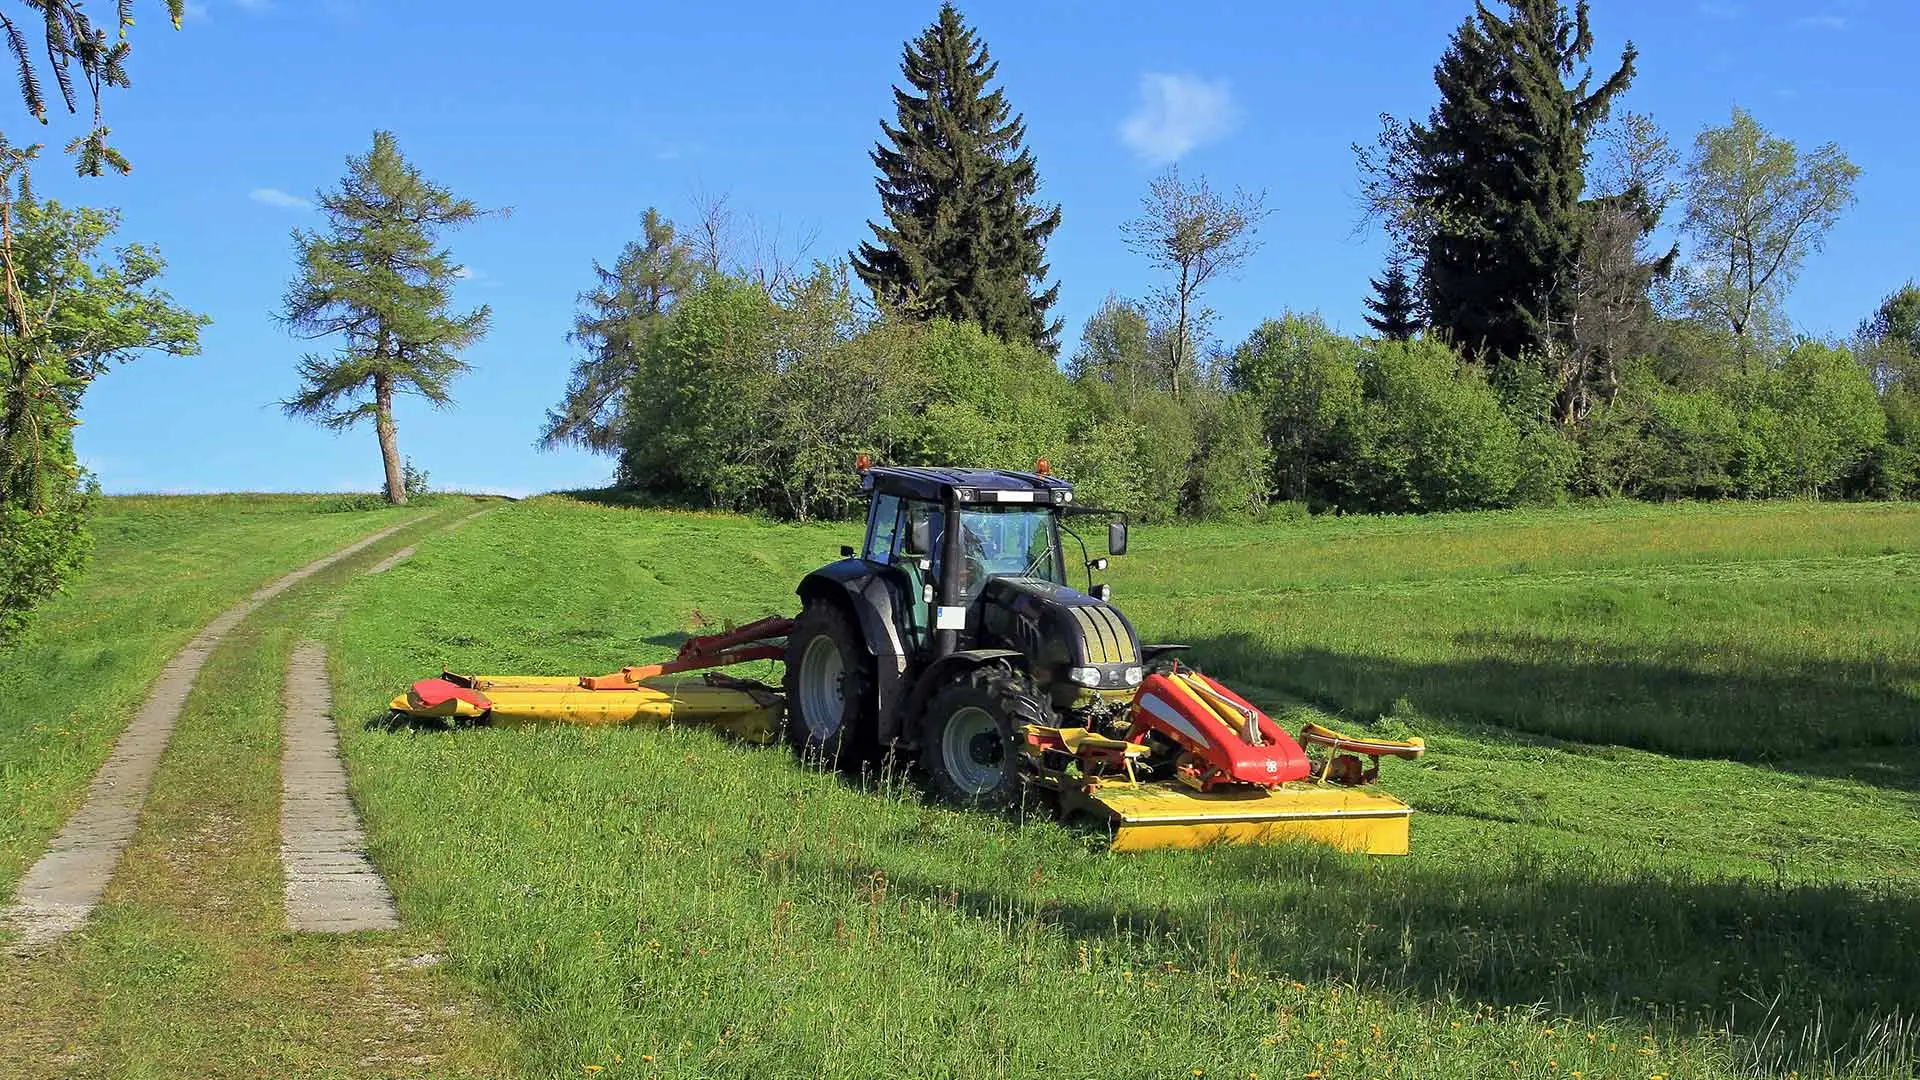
(1042, 468)
(862, 463)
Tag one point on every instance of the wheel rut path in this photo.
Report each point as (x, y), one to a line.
(331, 886)
(66, 883)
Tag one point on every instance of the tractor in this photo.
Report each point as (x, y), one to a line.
(953, 637)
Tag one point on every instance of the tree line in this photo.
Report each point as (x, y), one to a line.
(1532, 342)
(1571, 306)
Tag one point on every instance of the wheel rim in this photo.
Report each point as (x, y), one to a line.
(973, 751)
(822, 690)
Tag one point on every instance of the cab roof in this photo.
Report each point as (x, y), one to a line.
(934, 483)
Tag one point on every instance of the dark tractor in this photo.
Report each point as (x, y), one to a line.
(953, 626)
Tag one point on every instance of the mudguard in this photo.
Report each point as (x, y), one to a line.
(875, 598)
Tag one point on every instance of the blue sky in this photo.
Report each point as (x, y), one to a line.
(580, 115)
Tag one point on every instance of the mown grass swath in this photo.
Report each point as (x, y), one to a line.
(671, 904)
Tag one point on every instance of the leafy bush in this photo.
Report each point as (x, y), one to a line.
(1234, 464)
(1306, 381)
(39, 552)
(1892, 471)
(1431, 433)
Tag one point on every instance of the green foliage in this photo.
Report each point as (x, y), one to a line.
(1233, 463)
(1431, 434)
(379, 280)
(1306, 381)
(1756, 208)
(1808, 424)
(618, 315)
(1893, 468)
(964, 238)
(72, 40)
(1496, 174)
(1889, 340)
(1395, 307)
(40, 551)
(72, 313)
(415, 479)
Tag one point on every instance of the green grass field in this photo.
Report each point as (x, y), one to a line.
(1669, 825)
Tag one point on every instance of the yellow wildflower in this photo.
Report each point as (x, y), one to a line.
(591, 1069)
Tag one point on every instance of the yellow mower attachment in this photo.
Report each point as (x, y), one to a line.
(1147, 816)
(748, 709)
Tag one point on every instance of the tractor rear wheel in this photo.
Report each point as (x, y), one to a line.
(829, 688)
(972, 750)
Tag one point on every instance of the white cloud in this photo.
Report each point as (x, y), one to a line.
(273, 196)
(1821, 22)
(1177, 113)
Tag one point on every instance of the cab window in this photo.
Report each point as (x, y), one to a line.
(882, 523)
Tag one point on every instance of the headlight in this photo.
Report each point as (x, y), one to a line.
(1134, 675)
(1085, 676)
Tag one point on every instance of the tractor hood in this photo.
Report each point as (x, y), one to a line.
(1074, 640)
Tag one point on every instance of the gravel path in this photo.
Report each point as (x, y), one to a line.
(331, 886)
(62, 888)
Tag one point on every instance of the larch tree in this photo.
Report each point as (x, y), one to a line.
(964, 236)
(1192, 233)
(618, 318)
(1488, 190)
(377, 279)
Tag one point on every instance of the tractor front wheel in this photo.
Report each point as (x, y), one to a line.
(972, 751)
(829, 688)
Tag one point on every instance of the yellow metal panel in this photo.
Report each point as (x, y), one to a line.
(1155, 816)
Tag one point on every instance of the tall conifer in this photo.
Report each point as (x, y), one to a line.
(1499, 169)
(964, 237)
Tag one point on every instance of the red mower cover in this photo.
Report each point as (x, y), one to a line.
(429, 693)
(1177, 707)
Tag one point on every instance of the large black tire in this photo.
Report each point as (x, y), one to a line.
(829, 688)
(971, 751)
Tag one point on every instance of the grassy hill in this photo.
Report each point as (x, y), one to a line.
(1667, 826)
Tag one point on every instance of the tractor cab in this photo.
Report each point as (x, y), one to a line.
(980, 524)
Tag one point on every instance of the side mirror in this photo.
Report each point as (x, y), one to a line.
(1117, 538)
(919, 536)
(846, 551)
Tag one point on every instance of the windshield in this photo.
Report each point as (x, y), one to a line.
(1008, 543)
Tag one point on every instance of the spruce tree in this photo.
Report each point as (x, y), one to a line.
(964, 237)
(1498, 171)
(1396, 312)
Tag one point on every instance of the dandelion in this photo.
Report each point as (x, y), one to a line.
(1314, 1075)
(591, 1069)
(1199, 1072)
(646, 1057)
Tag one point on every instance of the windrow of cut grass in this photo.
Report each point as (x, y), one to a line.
(651, 903)
(163, 566)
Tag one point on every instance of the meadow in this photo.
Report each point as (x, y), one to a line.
(1666, 828)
